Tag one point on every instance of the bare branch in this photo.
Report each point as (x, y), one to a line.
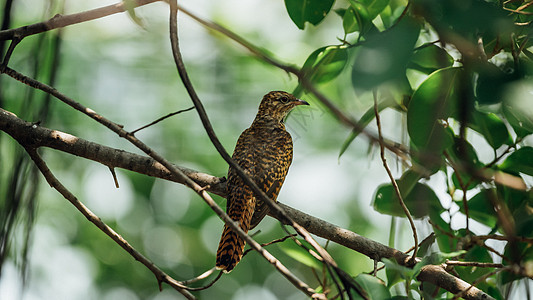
(38, 136)
(59, 21)
(56, 184)
(162, 118)
(391, 177)
(473, 264)
(438, 276)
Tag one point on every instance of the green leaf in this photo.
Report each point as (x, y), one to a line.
(467, 17)
(312, 11)
(384, 57)
(374, 287)
(366, 119)
(520, 252)
(477, 254)
(356, 18)
(470, 157)
(325, 63)
(386, 16)
(432, 103)
(424, 246)
(520, 161)
(491, 127)
(491, 83)
(300, 254)
(419, 199)
(435, 259)
(445, 242)
(523, 216)
(480, 208)
(517, 108)
(429, 58)
(130, 8)
(375, 7)
(396, 272)
(517, 200)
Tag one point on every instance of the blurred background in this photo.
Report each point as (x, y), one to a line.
(126, 73)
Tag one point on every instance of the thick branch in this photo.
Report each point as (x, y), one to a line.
(37, 136)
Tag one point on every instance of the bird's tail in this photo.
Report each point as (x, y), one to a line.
(230, 250)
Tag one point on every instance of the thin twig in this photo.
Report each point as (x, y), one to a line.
(114, 174)
(202, 276)
(12, 45)
(162, 118)
(524, 6)
(57, 185)
(527, 13)
(280, 240)
(473, 264)
(393, 181)
(464, 189)
(478, 280)
(502, 238)
(205, 287)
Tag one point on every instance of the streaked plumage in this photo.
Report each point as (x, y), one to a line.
(264, 151)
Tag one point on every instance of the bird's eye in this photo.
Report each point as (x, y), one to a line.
(284, 99)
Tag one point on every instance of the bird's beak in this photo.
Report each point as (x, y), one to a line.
(301, 102)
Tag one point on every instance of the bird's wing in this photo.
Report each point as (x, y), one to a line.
(270, 170)
(242, 156)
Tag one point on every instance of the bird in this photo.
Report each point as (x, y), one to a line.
(264, 151)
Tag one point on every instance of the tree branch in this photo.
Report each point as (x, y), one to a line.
(391, 177)
(59, 21)
(56, 184)
(37, 136)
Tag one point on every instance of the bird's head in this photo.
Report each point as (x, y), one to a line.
(277, 104)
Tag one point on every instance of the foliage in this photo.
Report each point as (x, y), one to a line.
(456, 76)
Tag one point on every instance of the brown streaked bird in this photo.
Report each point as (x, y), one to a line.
(264, 152)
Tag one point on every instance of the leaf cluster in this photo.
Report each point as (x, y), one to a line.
(459, 72)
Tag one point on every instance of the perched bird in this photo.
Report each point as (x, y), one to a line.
(264, 152)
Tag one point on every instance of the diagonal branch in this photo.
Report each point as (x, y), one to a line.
(56, 184)
(32, 135)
